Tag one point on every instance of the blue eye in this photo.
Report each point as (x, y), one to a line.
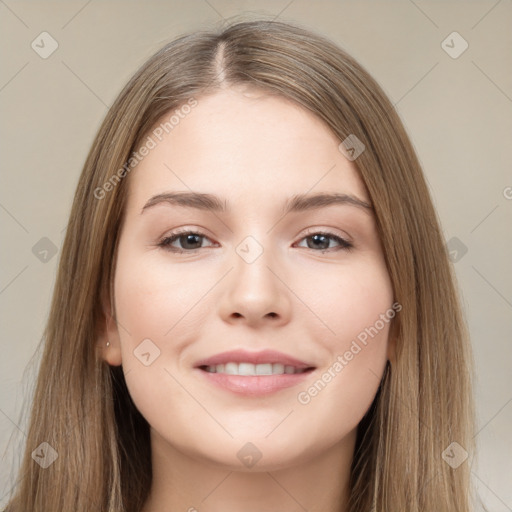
(321, 240)
(191, 241)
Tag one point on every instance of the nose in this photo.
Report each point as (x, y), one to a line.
(256, 293)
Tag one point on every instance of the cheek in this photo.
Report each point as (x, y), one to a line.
(153, 301)
(360, 304)
(357, 307)
(349, 299)
(141, 306)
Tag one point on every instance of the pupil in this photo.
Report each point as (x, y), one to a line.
(190, 238)
(325, 243)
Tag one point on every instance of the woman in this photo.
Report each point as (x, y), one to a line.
(254, 308)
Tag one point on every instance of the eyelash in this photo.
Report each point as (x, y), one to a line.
(165, 243)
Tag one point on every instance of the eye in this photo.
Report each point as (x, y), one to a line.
(321, 240)
(189, 240)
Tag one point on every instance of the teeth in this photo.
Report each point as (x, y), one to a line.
(253, 369)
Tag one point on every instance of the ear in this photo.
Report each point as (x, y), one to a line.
(108, 333)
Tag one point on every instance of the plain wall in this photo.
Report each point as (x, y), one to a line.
(457, 112)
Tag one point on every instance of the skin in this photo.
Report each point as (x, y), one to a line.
(255, 151)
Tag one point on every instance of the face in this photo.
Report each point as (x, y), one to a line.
(305, 280)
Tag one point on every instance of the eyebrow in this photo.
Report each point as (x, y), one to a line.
(296, 203)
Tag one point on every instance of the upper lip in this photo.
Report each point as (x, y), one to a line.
(245, 356)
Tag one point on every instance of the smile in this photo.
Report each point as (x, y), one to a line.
(250, 369)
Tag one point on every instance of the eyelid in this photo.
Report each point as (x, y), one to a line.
(329, 231)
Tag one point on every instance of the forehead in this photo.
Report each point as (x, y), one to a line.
(243, 144)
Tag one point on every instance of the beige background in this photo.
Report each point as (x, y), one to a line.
(456, 110)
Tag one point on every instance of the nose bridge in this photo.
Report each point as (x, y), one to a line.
(251, 273)
(253, 290)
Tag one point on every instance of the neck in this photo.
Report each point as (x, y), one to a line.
(185, 482)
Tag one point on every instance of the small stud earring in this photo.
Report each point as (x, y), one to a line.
(108, 343)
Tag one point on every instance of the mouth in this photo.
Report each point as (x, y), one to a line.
(253, 373)
(250, 369)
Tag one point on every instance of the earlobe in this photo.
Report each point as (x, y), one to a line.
(111, 353)
(108, 343)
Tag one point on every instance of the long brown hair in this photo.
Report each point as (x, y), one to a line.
(81, 405)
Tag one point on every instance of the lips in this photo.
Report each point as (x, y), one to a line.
(256, 358)
(253, 374)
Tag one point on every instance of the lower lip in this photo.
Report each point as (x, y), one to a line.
(254, 385)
